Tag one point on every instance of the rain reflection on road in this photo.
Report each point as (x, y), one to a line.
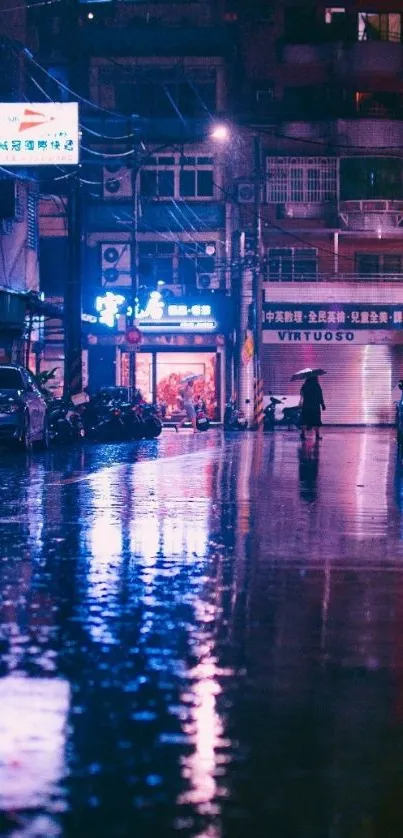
(203, 636)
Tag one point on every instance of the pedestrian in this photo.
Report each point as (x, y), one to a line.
(188, 406)
(312, 403)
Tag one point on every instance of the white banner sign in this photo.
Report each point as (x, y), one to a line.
(323, 337)
(44, 133)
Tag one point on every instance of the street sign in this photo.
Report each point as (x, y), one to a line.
(44, 133)
(133, 336)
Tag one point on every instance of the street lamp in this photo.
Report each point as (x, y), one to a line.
(250, 292)
(220, 132)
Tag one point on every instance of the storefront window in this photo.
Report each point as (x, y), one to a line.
(173, 368)
(143, 373)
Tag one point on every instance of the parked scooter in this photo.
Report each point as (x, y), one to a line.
(281, 412)
(202, 420)
(64, 422)
(234, 419)
(104, 418)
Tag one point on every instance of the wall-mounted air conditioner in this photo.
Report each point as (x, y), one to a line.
(207, 282)
(117, 181)
(116, 264)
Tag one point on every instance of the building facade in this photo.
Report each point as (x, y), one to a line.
(323, 88)
(19, 273)
(156, 216)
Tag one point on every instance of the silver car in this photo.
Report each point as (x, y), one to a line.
(23, 411)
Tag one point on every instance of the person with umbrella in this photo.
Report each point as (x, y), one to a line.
(188, 402)
(312, 401)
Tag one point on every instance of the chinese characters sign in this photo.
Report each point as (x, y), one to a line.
(39, 134)
(331, 316)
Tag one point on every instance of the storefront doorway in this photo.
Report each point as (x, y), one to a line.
(360, 385)
(159, 376)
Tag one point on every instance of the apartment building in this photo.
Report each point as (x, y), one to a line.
(322, 87)
(155, 209)
(19, 276)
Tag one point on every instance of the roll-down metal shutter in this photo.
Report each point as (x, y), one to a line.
(359, 385)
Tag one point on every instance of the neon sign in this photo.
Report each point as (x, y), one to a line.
(110, 307)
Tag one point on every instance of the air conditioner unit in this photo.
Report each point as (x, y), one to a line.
(174, 290)
(116, 264)
(117, 181)
(207, 282)
(246, 193)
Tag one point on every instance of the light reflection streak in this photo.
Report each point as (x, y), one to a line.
(105, 545)
(33, 715)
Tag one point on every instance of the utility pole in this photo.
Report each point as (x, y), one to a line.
(73, 380)
(250, 326)
(134, 264)
(257, 284)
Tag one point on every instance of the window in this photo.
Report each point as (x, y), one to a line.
(368, 264)
(379, 27)
(32, 222)
(312, 101)
(333, 14)
(160, 92)
(366, 178)
(195, 259)
(11, 379)
(158, 179)
(176, 176)
(285, 264)
(175, 261)
(156, 262)
(301, 179)
(379, 104)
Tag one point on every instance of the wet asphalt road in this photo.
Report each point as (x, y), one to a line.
(203, 636)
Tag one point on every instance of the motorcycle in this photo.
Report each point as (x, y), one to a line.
(282, 411)
(64, 422)
(104, 418)
(152, 421)
(234, 419)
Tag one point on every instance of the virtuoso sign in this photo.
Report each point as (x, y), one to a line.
(44, 133)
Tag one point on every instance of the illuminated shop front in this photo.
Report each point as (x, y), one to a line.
(360, 345)
(181, 337)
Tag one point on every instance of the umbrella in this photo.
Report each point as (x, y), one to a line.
(307, 373)
(189, 378)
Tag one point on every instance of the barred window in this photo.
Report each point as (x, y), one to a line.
(20, 193)
(301, 180)
(32, 221)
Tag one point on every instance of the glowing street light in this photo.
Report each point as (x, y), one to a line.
(220, 132)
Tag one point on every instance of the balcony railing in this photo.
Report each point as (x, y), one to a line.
(330, 276)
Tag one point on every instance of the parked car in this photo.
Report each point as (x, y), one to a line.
(23, 409)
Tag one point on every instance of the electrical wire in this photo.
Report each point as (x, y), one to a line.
(69, 90)
(30, 6)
